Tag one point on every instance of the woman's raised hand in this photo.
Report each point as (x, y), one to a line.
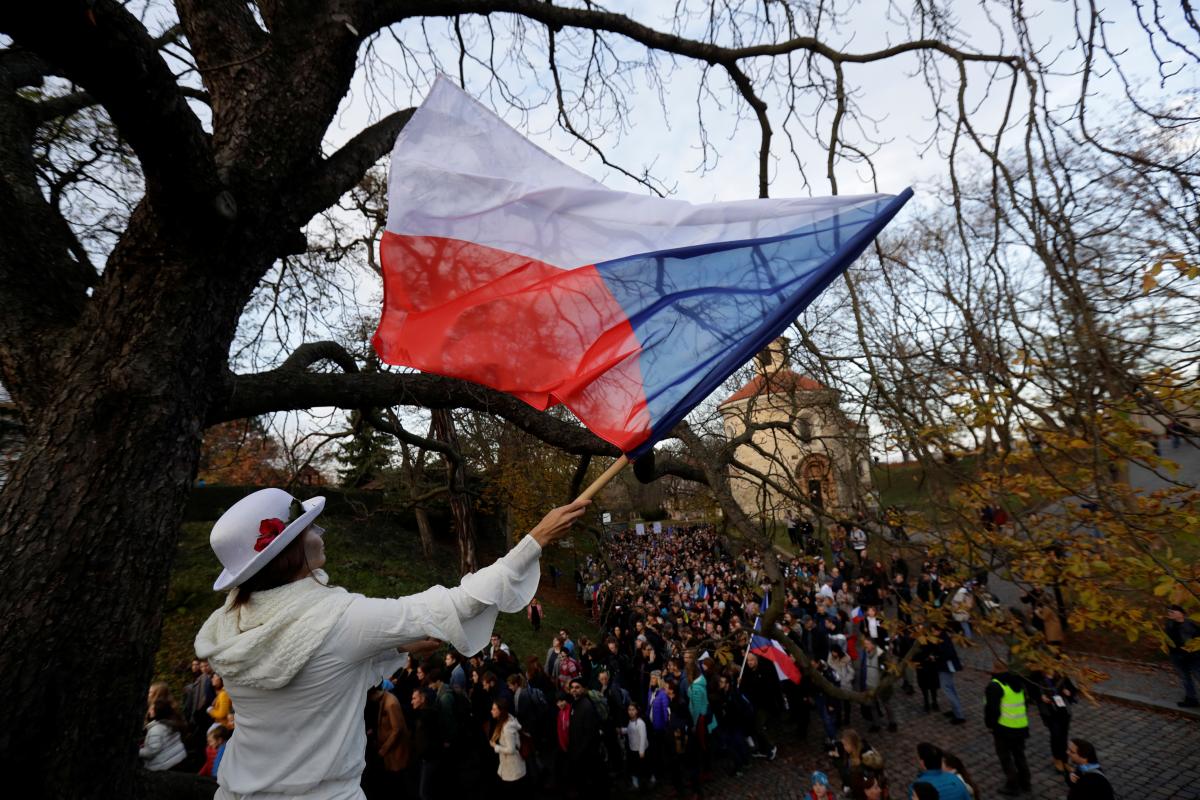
(555, 525)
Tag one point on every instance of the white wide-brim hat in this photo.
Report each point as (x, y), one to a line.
(237, 531)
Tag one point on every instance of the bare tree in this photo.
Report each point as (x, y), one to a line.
(207, 122)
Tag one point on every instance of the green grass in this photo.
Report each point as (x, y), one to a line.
(372, 557)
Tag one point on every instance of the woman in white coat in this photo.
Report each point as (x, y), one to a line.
(162, 748)
(506, 741)
(298, 655)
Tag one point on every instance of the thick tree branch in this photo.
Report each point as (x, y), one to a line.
(106, 50)
(310, 353)
(343, 170)
(290, 387)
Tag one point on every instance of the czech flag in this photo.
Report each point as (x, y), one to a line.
(505, 267)
(773, 651)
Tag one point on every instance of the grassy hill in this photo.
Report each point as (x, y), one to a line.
(374, 557)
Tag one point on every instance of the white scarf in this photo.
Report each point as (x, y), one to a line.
(264, 643)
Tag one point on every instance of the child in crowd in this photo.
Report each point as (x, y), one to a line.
(636, 744)
(218, 735)
(820, 788)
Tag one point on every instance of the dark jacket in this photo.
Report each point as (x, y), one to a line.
(761, 686)
(1091, 786)
(584, 742)
(1180, 633)
(947, 655)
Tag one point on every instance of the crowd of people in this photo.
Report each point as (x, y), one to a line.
(678, 688)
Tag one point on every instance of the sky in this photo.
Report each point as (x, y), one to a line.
(663, 133)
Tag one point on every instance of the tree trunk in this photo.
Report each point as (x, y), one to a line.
(90, 520)
(425, 529)
(460, 501)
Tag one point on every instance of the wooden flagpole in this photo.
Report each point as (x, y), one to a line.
(598, 484)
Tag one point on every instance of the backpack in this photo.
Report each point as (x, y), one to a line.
(601, 704)
(538, 698)
(526, 748)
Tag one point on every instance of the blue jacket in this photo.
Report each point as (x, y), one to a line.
(658, 703)
(949, 786)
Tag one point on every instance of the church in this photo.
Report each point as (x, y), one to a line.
(807, 442)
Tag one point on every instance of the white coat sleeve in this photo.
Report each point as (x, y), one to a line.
(463, 616)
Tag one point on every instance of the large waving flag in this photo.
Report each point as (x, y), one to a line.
(505, 267)
(774, 652)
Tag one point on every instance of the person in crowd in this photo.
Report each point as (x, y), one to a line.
(192, 692)
(162, 746)
(391, 741)
(566, 666)
(945, 786)
(562, 740)
(842, 673)
(1055, 695)
(568, 642)
(428, 744)
(872, 665)
(1005, 715)
(872, 627)
(584, 742)
(615, 700)
(295, 652)
(858, 543)
(928, 662)
(790, 522)
(734, 722)
(961, 605)
(1086, 780)
(949, 665)
(658, 714)
(537, 677)
(703, 722)
(214, 749)
(761, 687)
(478, 697)
(457, 672)
(955, 766)
(1180, 630)
(1051, 623)
(535, 613)
(682, 759)
(637, 742)
(506, 743)
(874, 788)
(222, 705)
(495, 647)
(819, 788)
(529, 704)
(850, 748)
(873, 781)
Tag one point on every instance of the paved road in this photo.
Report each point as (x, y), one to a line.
(1147, 755)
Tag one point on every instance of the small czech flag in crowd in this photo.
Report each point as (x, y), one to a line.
(505, 267)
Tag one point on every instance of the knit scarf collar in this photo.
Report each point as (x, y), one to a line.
(265, 642)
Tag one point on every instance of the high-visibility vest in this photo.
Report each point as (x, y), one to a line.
(1012, 707)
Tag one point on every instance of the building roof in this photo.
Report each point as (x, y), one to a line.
(784, 381)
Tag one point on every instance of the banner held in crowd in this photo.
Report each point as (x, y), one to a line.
(505, 267)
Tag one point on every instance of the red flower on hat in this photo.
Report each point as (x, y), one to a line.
(268, 529)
